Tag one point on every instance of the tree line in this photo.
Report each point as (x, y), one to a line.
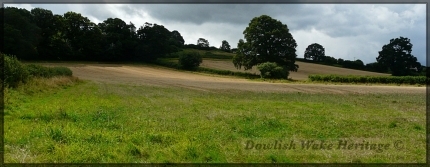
(41, 35)
(395, 58)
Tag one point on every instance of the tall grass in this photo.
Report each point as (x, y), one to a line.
(113, 123)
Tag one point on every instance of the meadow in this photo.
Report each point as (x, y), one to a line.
(73, 121)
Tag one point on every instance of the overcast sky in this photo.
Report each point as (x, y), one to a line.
(348, 31)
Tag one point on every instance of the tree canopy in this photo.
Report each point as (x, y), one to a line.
(266, 40)
(40, 35)
(397, 56)
(315, 52)
(225, 46)
(201, 42)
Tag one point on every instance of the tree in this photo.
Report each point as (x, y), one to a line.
(190, 60)
(117, 39)
(83, 36)
(225, 46)
(203, 43)
(267, 40)
(357, 64)
(376, 67)
(44, 19)
(272, 70)
(328, 60)
(315, 51)
(397, 56)
(153, 42)
(340, 61)
(21, 34)
(177, 39)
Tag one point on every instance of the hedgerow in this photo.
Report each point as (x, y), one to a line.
(422, 80)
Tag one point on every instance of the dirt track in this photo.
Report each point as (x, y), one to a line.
(145, 75)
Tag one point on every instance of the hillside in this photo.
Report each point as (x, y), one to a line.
(305, 69)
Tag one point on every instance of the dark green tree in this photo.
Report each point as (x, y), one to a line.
(225, 46)
(190, 60)
(203, 43)
(83, 36)
(153, 42)
(315, 51)
(44, 19)
(340, 61)
(397, 56)
(21, 34)
(267, 40)
(117, 39)
(177, 39)
(376, 67)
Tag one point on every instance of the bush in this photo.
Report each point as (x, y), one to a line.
(61, 71)
(36, 70)
(190, 61)
(14, 72)
(272, 70)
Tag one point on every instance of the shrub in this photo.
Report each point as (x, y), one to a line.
(38, 70)
(190, 61)
(61, 71)
(14, 72)
(272, 70)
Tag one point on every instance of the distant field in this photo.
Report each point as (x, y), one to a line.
(305, 69)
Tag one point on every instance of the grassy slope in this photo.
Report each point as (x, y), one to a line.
(96, 122)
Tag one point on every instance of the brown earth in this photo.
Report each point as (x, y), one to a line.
(305, 69)
(159, 76)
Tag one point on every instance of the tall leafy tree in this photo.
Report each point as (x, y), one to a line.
(153, 42)
(201, 42)
(397, 56)
(81, 34)
(52, 45)
(267, 40)
(225, 46)
(118, 37)
(60, 46)
(21, 34)
(315, 52)
(177, 39)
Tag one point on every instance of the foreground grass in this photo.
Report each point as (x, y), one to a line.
(96, 122)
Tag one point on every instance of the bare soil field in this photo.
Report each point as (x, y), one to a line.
(158, 76)
(305, 69)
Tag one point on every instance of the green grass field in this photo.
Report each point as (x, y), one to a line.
(78, 122)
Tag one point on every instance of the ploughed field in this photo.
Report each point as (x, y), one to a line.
(305, 69)
(159, 76)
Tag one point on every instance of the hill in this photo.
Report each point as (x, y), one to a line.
(305, 69)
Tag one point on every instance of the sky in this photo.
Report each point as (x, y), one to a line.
(347, 31)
